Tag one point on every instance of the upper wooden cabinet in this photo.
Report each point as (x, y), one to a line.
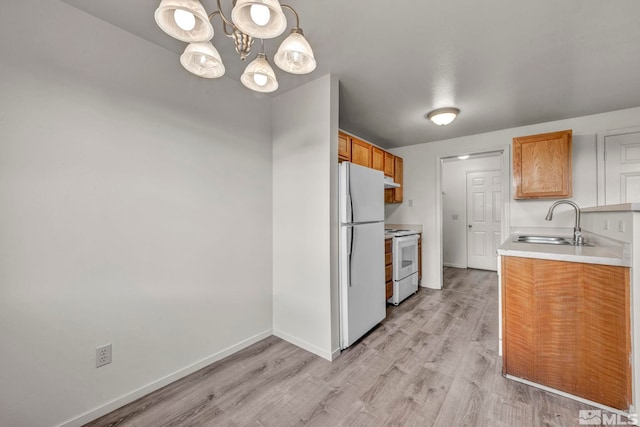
(394, 195)
(352, 149)
(388, 164)
(344, 147)
(361, 152)
(377, 159)
(542, 166)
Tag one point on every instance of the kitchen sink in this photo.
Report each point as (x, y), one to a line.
(547, 240)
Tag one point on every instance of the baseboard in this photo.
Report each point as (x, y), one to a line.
(304, 345)
(335, 354)
(143, 391)
(446, 264)
(571, 396)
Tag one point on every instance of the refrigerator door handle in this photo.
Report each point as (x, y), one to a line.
(351, 237)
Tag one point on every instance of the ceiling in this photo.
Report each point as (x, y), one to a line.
(503, 63)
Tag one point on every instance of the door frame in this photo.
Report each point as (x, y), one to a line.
(601, 173)
(505, 152)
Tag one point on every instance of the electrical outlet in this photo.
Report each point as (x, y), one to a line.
(606, 224)
(103, 355)
(621, 226)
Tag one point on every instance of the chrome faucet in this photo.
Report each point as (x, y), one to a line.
(577, 231)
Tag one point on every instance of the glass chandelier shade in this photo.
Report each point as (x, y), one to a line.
(188, 21)
(185, 20)
(203, 60)
(295, 55)
(259, 75)
(262, 19)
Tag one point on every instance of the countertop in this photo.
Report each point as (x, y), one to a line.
(413, 227)
(604, 251)
(624, 207)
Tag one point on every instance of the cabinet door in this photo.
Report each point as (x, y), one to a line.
(542, 166)
(419, 257)
(567, 326)
(360, 152)
(377, 159)
(397, 192)
(394, 195)
(388, 164)
(344, 147)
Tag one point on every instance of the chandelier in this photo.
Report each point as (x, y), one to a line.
(187, 21)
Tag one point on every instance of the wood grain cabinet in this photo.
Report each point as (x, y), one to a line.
(352, 149)
(388, 164)
(542, 166)
(344, 147)
(377, 158)
(394, 195)
(566, 325)
(419, 258)
(361, 152)
(388, 267)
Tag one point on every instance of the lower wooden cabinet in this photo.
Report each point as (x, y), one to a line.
(419, 258)
(388, 267)
(567, 326)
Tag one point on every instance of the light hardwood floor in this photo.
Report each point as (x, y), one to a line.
(432, 362)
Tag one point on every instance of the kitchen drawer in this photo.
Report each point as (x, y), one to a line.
(388, 273)
(387, 258)
(387, 246)
(389, 289)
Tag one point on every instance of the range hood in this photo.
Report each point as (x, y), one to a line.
(388, 183)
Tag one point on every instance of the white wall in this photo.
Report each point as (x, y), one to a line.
(421, 170)
(454, 204)
(305, 132)
(135, 209)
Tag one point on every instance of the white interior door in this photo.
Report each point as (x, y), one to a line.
(622, 167)
(484, 209)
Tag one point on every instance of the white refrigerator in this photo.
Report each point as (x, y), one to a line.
(362, 286)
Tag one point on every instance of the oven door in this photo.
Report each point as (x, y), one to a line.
(405, 256)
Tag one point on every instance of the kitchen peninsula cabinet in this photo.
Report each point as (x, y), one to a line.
(566, 325)
(542, 166)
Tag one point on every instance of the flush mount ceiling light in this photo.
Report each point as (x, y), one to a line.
(187, 21)
(443, 116)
